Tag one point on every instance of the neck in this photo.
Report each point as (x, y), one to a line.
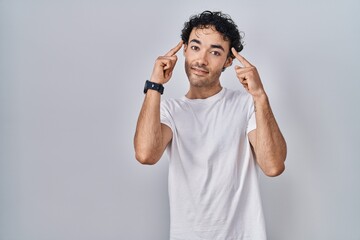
(203, 92)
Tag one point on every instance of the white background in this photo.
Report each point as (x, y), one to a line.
(72, 74)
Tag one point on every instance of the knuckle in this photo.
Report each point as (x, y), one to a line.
(159, 59)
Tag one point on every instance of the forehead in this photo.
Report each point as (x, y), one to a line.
(208, 35)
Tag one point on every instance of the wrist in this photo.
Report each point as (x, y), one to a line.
(261, 101)
(149, 85)
(260, 96)
(156, 80)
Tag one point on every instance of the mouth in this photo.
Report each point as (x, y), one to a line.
(199, 71)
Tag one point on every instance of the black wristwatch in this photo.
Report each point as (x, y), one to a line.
(154, 86)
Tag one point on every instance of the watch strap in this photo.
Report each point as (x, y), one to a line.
(153, 86)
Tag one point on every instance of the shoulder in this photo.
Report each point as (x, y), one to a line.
(171, 101)
(171, 104)
(238, 95)
(239, 101)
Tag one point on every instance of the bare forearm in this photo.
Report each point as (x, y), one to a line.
(148, 137)
(270, 144)
(151, 137)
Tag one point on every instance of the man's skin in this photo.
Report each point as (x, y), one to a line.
(206, 54)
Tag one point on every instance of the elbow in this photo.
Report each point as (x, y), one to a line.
(144, 155)
(274, 166)
(275, 171)
(145, 159)
(278, 165)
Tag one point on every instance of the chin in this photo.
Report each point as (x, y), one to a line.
(200, 83)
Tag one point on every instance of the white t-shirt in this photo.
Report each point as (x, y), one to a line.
(213, 176)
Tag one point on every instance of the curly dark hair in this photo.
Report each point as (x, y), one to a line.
(222, 23)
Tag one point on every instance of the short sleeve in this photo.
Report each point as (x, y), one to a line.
(165, 116)
(251, 123)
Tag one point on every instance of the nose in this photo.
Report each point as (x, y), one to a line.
(202, 58)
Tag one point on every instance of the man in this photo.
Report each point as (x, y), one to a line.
(216, 138)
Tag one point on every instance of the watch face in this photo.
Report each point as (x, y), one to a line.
(153, 86)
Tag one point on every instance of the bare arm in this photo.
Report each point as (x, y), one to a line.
(152, 137)
(267, 140)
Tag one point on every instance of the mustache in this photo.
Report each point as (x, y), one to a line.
(200, 67)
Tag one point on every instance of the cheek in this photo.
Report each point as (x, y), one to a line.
(186, 61)
(189, 60)
(223, 62)
(187, 66)
(219, 63)
(188, 57)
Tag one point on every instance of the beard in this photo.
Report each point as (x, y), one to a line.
(207, 78)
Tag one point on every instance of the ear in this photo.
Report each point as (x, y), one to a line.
(228, 62)
(185, 48)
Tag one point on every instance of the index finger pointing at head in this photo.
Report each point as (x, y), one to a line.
(244, 62)
(174, 50)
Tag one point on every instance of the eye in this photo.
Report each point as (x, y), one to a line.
(216, 53)
(195, 48)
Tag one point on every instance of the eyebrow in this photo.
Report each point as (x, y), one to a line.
(212, 46)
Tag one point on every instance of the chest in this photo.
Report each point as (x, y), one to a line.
(214, 124)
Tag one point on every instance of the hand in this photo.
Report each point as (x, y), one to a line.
(164, 65)
(248, 76)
